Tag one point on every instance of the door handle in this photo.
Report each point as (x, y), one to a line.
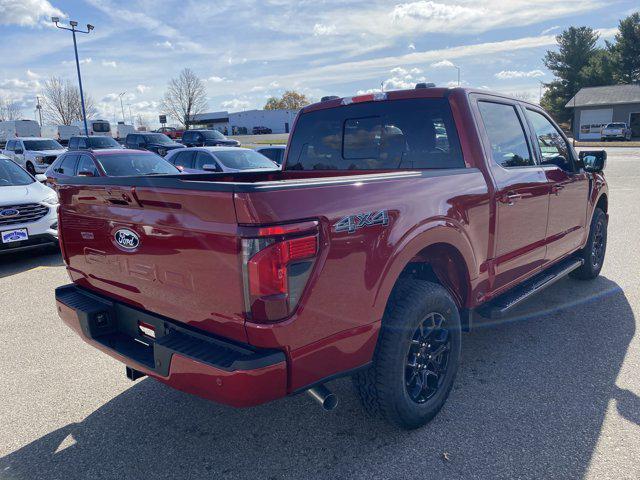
(510, 198)
(556, 189)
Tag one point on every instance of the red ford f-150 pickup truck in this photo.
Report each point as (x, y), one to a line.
(397, 219)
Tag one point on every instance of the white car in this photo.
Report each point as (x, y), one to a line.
(219, 159)
(34, 154)
(28, 210)
(615, 131)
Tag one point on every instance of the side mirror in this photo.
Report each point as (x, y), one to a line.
(41, 178)
(593, 161)
(85, 174)
(210, 167)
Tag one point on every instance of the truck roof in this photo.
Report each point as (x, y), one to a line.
(418, 92)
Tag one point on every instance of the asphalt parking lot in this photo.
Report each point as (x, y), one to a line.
(554, 392)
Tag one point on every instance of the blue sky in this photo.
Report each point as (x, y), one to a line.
(247, 51)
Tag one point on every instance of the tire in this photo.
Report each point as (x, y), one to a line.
(391, 388)
(594, 251)
(30, 168)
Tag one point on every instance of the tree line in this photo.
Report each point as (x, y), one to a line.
(579, 62)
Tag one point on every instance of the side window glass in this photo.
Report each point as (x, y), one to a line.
(68, 164)
(553, 148)
(508, 141)
(73, 143)
(86, 165)
(82, 143)
(10, 145)
(202, 159)
(184, 159)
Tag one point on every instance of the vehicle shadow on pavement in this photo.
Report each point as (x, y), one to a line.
(12, 263)
(529, 402)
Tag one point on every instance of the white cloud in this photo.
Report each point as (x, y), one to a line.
(319, 29)
(427, 11)
(549, 30)
(443, 64)
(109, 63)
(142, 88)
(32, 75)
(28, 13)
(236, 61)
(274, 84)
(236, 104)
(83, 61)
(216, 79)
(508, 74)
(411, 46)
(165, 44)
(257, 88)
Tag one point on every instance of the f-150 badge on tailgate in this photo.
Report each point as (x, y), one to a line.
(351, 223)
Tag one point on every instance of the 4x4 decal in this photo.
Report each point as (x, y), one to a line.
(351, 223)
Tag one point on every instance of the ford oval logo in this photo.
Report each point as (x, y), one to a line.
(9, 213)
(127, 239)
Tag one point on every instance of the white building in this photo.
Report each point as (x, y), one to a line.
(278, 121)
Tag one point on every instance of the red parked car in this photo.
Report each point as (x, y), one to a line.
(398, 220)
(171, 132)
(107, 163)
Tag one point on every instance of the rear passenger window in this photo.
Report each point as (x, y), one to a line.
(509, 146)
(400, 134)
(86, 165)
(68, 165)
(202, 159)
(73, 143)
(183, 159)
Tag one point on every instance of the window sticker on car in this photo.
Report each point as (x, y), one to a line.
(351, 223)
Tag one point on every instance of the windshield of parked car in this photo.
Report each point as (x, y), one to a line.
(160, 138)
(128, 164)
(616, 125)
(213, 134)
(240, 159)
(102, 142)
(42, 145)
(12, 175)
(101, 127)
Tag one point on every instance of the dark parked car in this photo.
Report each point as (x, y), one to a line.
(107, 163)
(207, 138)
(92, 143)
(261, 130)
(154, 142)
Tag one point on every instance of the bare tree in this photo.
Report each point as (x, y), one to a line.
(185, 97)
(61, 103)
(9, 110)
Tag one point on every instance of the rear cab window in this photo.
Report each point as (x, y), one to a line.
(388, 135)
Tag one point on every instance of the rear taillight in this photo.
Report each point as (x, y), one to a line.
(276, 268)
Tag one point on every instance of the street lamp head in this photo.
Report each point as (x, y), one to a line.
(90, 27)
(55, 19)
(73, 23)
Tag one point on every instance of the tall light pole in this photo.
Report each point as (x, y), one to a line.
(73, 31)
(458, 68)
(39, 108)
(122, 94)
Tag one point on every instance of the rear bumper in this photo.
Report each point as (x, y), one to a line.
(183, 358)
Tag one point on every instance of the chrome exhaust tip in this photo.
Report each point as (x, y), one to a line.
(325, 397)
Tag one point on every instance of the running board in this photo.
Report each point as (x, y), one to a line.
(500, 306)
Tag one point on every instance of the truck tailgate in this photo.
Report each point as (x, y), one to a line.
(169, 251)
